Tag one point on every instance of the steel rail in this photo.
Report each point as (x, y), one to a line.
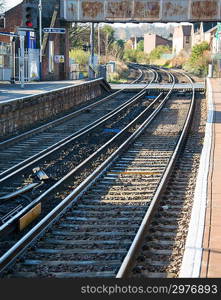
(4, 227)
(60, 209)
(62, 119)
(19, 168)
(129, 259)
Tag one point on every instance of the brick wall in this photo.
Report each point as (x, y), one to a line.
(151, 41)
(20, 114)
(13, 19)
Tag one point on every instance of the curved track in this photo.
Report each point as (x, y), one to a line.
(22, 188)
(93, 236)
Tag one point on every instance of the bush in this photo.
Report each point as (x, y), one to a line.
(156, 53)
(136, 56)
(199, 60)
(114, 77)
(80, 57)
(130, 55)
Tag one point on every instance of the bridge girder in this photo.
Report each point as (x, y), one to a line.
(140, 10)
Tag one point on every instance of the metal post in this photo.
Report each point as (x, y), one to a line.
(98, 42)
(40, 38)
(22, 59)
(92, 51)
(12, 80)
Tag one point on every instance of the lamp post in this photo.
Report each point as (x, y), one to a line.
(40, 37)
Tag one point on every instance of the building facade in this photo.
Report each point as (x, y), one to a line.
(54, 45)
(151, 41)
(201, 31)
(135, 40)
(182, 39)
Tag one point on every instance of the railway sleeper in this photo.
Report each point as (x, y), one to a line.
(80, 251)
(62, 275)
(89, 213)
(86, 225)
(114, 217)
(34, 262)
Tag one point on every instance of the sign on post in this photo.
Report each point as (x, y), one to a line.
(54, 30)
(218, 31)
(59, 59)
(8, 34)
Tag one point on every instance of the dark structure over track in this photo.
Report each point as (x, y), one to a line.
(140, 10)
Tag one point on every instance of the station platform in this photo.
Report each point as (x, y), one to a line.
(199, 86)
(13, 91)
(202, 256)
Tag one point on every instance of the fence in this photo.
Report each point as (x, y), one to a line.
(78, 71)
(31, 65)
(5, 61)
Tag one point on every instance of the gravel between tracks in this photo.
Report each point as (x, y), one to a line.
(175, 206)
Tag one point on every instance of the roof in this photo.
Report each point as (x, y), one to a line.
(208, 25)
(212, 29)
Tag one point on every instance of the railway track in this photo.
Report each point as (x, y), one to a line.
(20, 187)
(163, 245)
(93, 236)
(34, 141)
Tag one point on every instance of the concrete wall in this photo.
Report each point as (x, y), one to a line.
(181, 41)
(151, 41)
(20, 114)
(178, 40)
(187, 43)
(161, 41)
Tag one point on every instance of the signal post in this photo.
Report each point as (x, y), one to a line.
(29, 24)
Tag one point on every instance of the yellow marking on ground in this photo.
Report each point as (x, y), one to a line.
(30, 216)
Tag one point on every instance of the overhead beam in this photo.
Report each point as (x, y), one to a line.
(140, 10)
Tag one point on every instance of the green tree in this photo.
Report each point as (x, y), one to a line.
(107, 37)
(117, 49)
(198, 51)
(140, 45)
(80, 57)
(79, 35)
(132, 55)
(199, 59)
(158, 51)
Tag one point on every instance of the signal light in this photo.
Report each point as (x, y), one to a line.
(30, 12)
(28, 17)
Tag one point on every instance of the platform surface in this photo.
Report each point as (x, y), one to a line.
(139, 86)
(13, 91)
(202, 255)
(211, 259)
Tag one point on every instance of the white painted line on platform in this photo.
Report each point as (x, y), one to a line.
(191, 264)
